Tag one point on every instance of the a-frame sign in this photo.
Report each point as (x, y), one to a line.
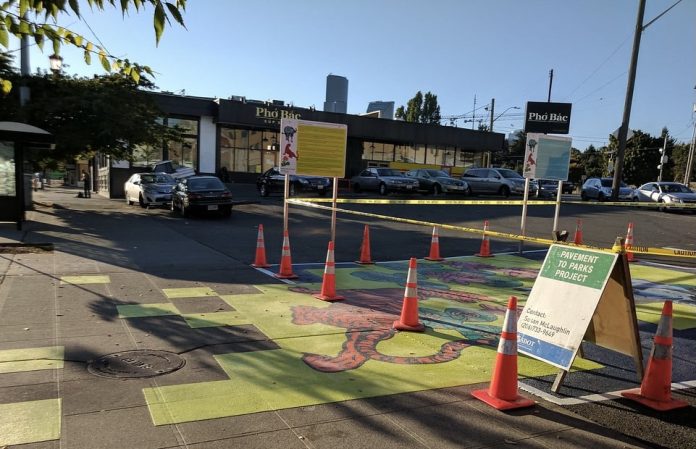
(580, 294)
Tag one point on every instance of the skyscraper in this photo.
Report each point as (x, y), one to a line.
(385, 108)
(336, 94)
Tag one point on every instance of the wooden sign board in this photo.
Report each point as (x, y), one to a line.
(579, 294)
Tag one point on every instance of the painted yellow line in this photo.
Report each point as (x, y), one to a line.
(503, 235)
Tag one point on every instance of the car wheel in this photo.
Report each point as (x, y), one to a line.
(322, 193)
(128, 200)
(185, 211)
(437, 189)
(356, 188)
(505, 191)
(583, 196)
(662, 208)
(467, 192)
(263, 190)
(600, 197)
(141, 201)
(383, 189)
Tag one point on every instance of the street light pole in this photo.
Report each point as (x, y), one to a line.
(623, 131)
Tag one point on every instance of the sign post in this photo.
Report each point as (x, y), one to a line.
(580, 294)
(312, 148)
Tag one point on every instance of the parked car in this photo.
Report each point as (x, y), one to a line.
(274, 181)
(383, 180)
(665, 193)
(201, 194)
(149, 189)
(172, 168)
(438, 181)
(548, 188)
(501, 181)
(600, 190)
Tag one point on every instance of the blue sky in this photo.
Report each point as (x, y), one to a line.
(389, 49)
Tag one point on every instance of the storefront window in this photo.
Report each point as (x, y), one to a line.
(184, 153)
(433, 156)
(187, 126)
(241, 156)
(144, 155)
(450, 153)
(419, 154)
(255, 140)
(7, 169)
(254, 161)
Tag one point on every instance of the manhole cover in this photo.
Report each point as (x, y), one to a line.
(133, 364)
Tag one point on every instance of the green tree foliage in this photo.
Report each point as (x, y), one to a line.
(678, 157)
(420, 109)
(109, 114)
(594, 162)
(31, 18)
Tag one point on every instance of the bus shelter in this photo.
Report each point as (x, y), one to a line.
(18, 142)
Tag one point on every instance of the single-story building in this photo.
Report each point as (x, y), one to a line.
(241, 137)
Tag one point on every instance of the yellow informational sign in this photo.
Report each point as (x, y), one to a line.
(313, 148)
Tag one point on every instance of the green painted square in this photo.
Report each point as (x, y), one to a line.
(191, 292)
(29, 422)
(31, 359)
(80, 280)
(683, 315)
(215, 319)
(145, 310)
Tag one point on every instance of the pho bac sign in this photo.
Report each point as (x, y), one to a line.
(548, 118)
(312, 148)
(579, 294)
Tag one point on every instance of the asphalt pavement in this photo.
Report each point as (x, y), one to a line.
(62, 311)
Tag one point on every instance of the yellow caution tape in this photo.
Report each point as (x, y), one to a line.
(495, 202)
(502, 235)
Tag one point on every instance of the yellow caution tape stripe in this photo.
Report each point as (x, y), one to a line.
(494, 202)
(502, 235)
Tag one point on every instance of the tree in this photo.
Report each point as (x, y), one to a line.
(29, 18)
(420, 109)
(109, 114)
(594, 161)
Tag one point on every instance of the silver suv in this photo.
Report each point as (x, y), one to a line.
(496, 181)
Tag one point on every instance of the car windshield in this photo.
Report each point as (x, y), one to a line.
(437, 173)
(547, 182)
(205, 184)
(610, 183)
(510, 174)
(156, 179)
(675, 188)
(388, 172)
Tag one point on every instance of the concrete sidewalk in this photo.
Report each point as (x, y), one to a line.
(60, 310)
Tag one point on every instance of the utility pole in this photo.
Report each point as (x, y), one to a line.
(663, 156)
(492, 109)
(473, 118)
(550, 84)
(623, 130)
(690, 160)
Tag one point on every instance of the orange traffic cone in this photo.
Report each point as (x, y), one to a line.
(578, 233)
(656, 389)
(328, 286)
(435, 247)
(286, 260)
(502, 393)
(260, 259)
(365, 248)
(485, 244)
(409, 311)
(629, 244)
